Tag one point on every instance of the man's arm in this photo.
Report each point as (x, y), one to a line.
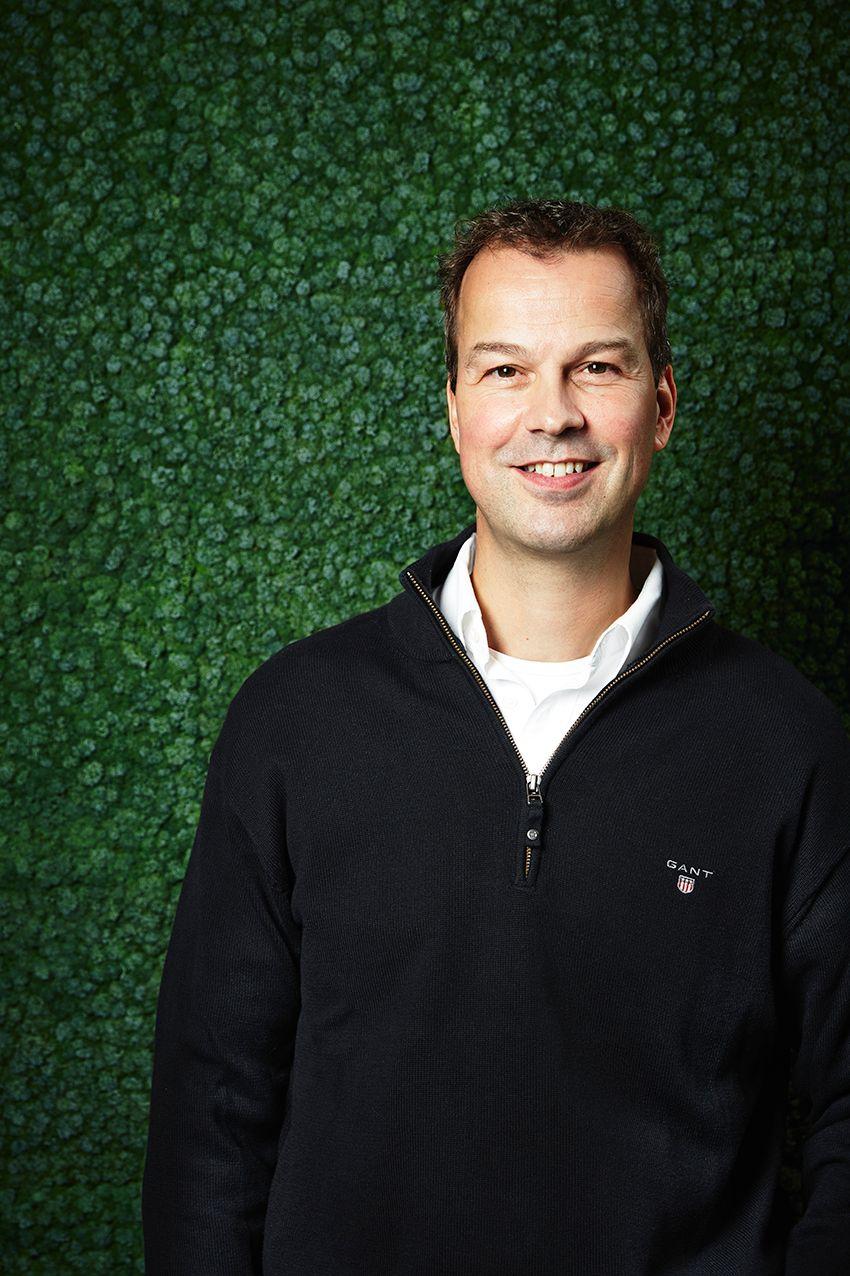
(225, 1025)
(816, 993)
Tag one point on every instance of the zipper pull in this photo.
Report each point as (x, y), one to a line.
(529, 853)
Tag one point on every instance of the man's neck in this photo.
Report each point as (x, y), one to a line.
(555, 608)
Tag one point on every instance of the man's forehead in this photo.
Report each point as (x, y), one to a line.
(505, 282)
(505, 275)
(508, 259)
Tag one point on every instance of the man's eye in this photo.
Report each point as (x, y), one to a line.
(596, 369)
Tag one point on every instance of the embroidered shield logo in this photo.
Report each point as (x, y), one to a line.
(685, 883)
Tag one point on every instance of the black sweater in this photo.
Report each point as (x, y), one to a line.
(399, 1033)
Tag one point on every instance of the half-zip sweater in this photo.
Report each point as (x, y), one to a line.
(423, 1013)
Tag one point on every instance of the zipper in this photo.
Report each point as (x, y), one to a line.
(527, 861)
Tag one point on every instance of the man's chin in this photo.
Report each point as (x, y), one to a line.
(541, 537)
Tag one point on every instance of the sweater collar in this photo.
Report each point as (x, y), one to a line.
(416, 626)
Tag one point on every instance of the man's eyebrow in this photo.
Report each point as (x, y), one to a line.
(626, 347)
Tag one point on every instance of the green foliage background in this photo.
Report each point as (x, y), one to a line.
(224, 423)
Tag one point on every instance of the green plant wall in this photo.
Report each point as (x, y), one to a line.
(224, 426)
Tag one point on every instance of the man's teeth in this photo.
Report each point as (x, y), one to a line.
(555, 471)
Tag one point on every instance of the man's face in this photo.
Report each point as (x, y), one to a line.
(567, 377)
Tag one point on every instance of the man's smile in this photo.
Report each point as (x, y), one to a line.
(557, 481)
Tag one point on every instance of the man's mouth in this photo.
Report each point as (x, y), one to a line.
(557, 468)
(559, 476)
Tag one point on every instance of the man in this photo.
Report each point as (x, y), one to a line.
(512, 900)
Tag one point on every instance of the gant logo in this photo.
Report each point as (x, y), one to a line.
(688, 875)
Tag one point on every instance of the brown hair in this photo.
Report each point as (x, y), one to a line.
(544, 228)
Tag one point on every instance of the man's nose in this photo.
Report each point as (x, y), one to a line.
(556, 405)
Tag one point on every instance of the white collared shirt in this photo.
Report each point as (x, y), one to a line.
(541, 699)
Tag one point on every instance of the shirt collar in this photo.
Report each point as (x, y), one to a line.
(459, 605)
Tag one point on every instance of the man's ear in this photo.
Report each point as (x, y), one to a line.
(451, 407)
(665, 399)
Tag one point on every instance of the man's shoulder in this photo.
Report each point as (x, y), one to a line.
(760, 680)
(345, 638)
(330, 654)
